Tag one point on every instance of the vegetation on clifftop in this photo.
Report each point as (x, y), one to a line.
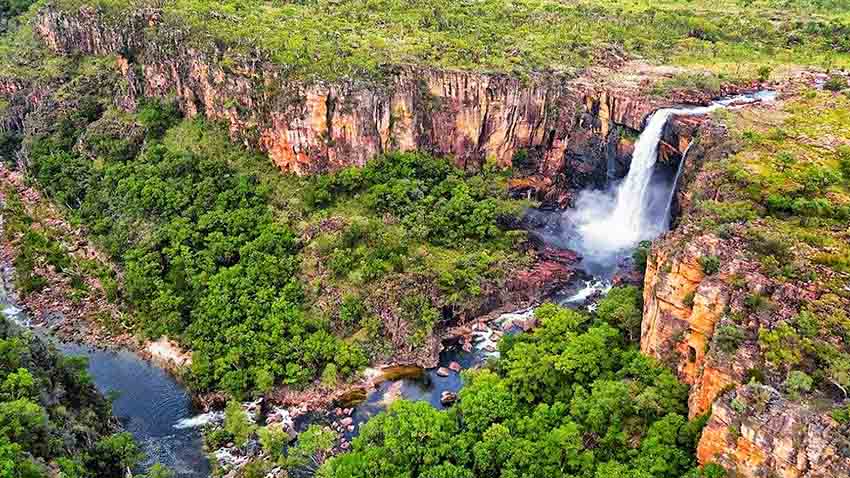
(783, 200)
(331, 40)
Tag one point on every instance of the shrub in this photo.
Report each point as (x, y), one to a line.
(754, 375)
(688, 300)
(738, 405)
(835, 83)
(781, 346)
(798, 382)
(710, 264)
(807, 323)
(351, 311)
(770, 245)
(641, 254)
(216, 438)
(273, 439)
(729, 337)
(329, 377)
(236, 423)
(841, 415)
(730, 212)
(844, 162)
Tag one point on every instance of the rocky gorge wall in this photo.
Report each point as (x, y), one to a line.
(752, 429)
(756, 432)
(564, 124)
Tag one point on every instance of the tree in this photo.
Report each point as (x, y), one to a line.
(565, 400)
(114, 455)
(798, 382)
(19, 384)
(24, 422)
(158, 471)
(313, 448)
(591, 355)
(623, 308)
(273, 439)
(485, 400)
(236, 423)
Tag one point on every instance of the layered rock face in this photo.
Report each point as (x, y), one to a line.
(753, 430)
(316, 127)
(682, 308)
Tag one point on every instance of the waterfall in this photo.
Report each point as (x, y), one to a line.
(629, 221)
(668, 210)
(608, 224)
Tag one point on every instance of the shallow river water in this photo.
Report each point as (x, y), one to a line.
(148, 401)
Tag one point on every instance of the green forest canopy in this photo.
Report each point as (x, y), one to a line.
(571, 399)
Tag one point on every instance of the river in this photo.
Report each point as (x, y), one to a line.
(148, 401)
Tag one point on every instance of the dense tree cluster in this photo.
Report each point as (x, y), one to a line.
(204, 258)
(571, 399)
(433, 199)
(52, 416)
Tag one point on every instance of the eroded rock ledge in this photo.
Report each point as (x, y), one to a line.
(309, 127)
(753, 429)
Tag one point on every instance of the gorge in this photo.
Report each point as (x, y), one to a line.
(311, 247)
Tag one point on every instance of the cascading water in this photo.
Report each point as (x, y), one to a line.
(668, 210)
(606, 225)
(629, 220)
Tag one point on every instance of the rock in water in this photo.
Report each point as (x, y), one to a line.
(447, 398)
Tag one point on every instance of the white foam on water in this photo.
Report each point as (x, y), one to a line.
(590, 288)
(201, 420)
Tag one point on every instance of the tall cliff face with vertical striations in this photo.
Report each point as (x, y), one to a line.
(308, 127)
(738, 308)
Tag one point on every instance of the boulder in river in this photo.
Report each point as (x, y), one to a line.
(455, 367)
(447, 398)
(443, 372)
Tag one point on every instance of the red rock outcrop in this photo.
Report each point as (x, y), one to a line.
(308, 127)
(681, 308)
(754, 432)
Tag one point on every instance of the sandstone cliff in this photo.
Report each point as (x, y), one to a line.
(308, 127)
(753, 430)
(713, 294)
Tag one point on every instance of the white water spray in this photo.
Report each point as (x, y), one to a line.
(201, 420)
(628, 222)
(611, 223)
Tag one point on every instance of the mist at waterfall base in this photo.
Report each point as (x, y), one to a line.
(605, 226)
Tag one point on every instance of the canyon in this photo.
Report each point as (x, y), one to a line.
(560, 134)
(563, 123)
